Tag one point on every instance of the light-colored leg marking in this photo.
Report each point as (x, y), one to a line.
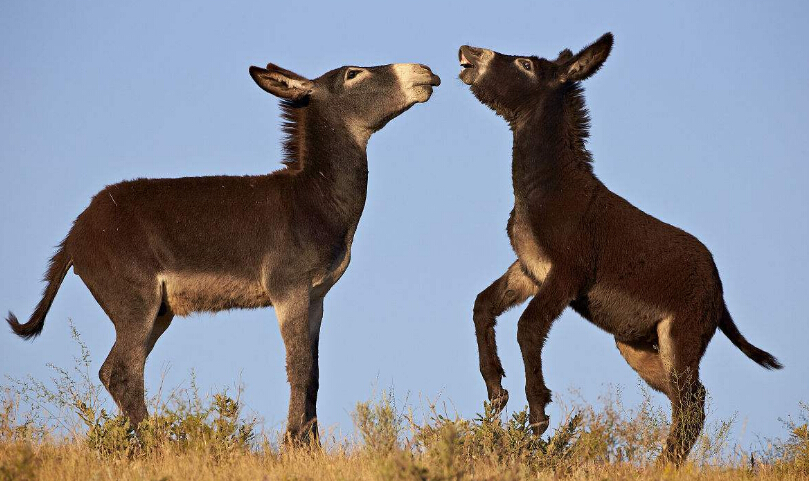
(288, 309)
(647, 363)
(665, 345)
(686, 393)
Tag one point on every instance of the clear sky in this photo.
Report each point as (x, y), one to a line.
(699, 118)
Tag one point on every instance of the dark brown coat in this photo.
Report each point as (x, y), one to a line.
(149, 249)
(654, 287)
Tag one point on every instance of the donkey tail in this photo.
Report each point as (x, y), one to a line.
(763, 358)
(59, 265)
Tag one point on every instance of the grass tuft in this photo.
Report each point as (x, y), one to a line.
(61, 430)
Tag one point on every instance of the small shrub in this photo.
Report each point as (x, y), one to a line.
(613, 433)
(451, 446)
(379, 424)
(74, 404)
(792, 455)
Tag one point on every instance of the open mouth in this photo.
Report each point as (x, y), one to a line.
(465, 62)
(468, 60)
(469, 56)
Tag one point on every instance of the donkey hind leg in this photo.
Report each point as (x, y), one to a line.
(681, 348)
(511, 289)
(296, 330)
(532, 331)
(134, 318)
(161, 323)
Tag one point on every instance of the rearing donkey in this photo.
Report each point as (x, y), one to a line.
(149, 249)
(651, 285)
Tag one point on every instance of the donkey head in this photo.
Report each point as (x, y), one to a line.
(513, 85)
(363, 99)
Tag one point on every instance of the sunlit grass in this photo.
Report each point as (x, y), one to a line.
(60, 430)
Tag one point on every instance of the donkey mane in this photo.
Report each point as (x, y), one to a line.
(576, 123)
(573, 121)
(293, 113)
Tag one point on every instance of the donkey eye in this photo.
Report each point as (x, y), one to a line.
(525, 64)
(351, 74)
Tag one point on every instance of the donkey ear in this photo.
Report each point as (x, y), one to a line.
(588, 61)
(564, 56)
(281, 82)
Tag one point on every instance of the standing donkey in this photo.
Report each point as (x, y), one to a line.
(651, 285)
(149, 249)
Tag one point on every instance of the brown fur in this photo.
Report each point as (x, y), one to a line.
(149, 249)
(654, 287)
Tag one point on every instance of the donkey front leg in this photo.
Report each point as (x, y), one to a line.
(532, 331)
(299, 317)
(315, 319)
(511, 289)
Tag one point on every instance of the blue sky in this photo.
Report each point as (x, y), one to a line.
(699, 118)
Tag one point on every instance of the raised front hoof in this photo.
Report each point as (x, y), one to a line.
(538, 428)
(499, 402)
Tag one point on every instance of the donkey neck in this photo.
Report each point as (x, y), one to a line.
(331, 161)
(549, 152)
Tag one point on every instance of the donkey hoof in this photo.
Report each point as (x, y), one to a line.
(539, 427)
(302, 438)
(499, 402)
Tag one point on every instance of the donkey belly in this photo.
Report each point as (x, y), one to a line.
(624, 316)
(186, 293)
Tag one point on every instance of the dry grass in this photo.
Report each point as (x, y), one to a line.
(58, 430)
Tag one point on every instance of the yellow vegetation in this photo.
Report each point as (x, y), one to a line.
(59, 431)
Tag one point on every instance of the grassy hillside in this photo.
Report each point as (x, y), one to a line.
(59, 430)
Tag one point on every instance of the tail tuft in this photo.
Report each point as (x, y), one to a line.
(59, 265)
(765, 359)
(760, 356)
(26, 331)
